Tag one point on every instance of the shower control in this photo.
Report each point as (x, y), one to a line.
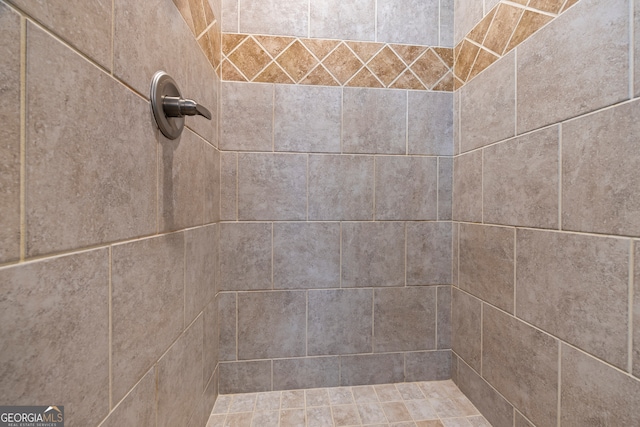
(169, 108)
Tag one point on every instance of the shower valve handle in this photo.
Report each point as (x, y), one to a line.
(174, 106)
(169, 107)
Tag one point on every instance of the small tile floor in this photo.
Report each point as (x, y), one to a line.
(421, 404)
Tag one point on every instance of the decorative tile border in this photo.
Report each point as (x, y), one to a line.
(289, 60)
(507, 25)
(205, 27)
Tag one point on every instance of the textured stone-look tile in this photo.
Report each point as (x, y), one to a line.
(365, 393)
(290, 374)
(340, 396)
(179, 377)
(456, 251)
(521, 421)
(371, 413)
(600, 172)
(636, 312)
(204, 85)
(431, 123)
(446, 23)
(371, 369)
(229, 16)
(242, 419)
(340, 321)
(576, 64)
(227, 318)
(243, 403)
(292, 417)
(271, 324)
(404, 319)
(272, 187)
(521, 362)
(345, 415)
(211, 341)
(147, 23)
(292, 399)
(86, 26)
(467, 187)
(373, 254)
(228, 186)
(245, 377)
(428, 253)
(444, 317)
(636, 52)
(181, 182)
(387, 393)
(307, 118)
(487, 263)
(138, 408)
(54, 314)
(445, 188)
(487, 110)
(245, 256)
(10, 145)
(576, 288)
(200, 270)
(374, 121)
(520, 181)
(145, 275)
(493, 406)
(211, 184)
(319, 416)
(409, 22)
(306, 255)
(265, 419)
(268, 401)
(466, 327)
(428, 366)
(396, 411)
(284, 17)
(335, 19)
(406, 188)
(341, 188)
(246, 116)
(467, 14)
(66, 207)
(595, 394)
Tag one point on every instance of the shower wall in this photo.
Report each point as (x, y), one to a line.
(335, 241)
(108, 234)
(546, 310)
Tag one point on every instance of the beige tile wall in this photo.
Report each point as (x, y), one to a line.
(545, 312)
(108, 234)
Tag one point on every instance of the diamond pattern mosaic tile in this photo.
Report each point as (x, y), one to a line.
(289, 60)
(334, 62)
(500, 31)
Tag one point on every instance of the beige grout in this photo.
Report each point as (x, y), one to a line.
(630, 306)
(560, 180)
(559, 408)
(110, 303)
(23, 137)
(632, 43)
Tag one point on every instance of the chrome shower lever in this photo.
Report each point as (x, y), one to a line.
(170, 108)
(178, 107)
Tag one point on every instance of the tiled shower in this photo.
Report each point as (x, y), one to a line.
(390, 191)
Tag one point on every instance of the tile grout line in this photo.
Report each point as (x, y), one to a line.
(237, 310)
(515, 92)
(559, 407)
(560, 183)
(632, 43)
(23, 138)
(113, 36)
(630, 306)
(515, 269)
(546, 333)
(306, 325)
(110, 302)
(405, 253)
(482, 303)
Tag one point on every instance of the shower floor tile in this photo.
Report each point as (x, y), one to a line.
(421, 404)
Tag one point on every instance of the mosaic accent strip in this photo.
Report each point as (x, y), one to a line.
(289, 60)
(205, 27)
(506, 26)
